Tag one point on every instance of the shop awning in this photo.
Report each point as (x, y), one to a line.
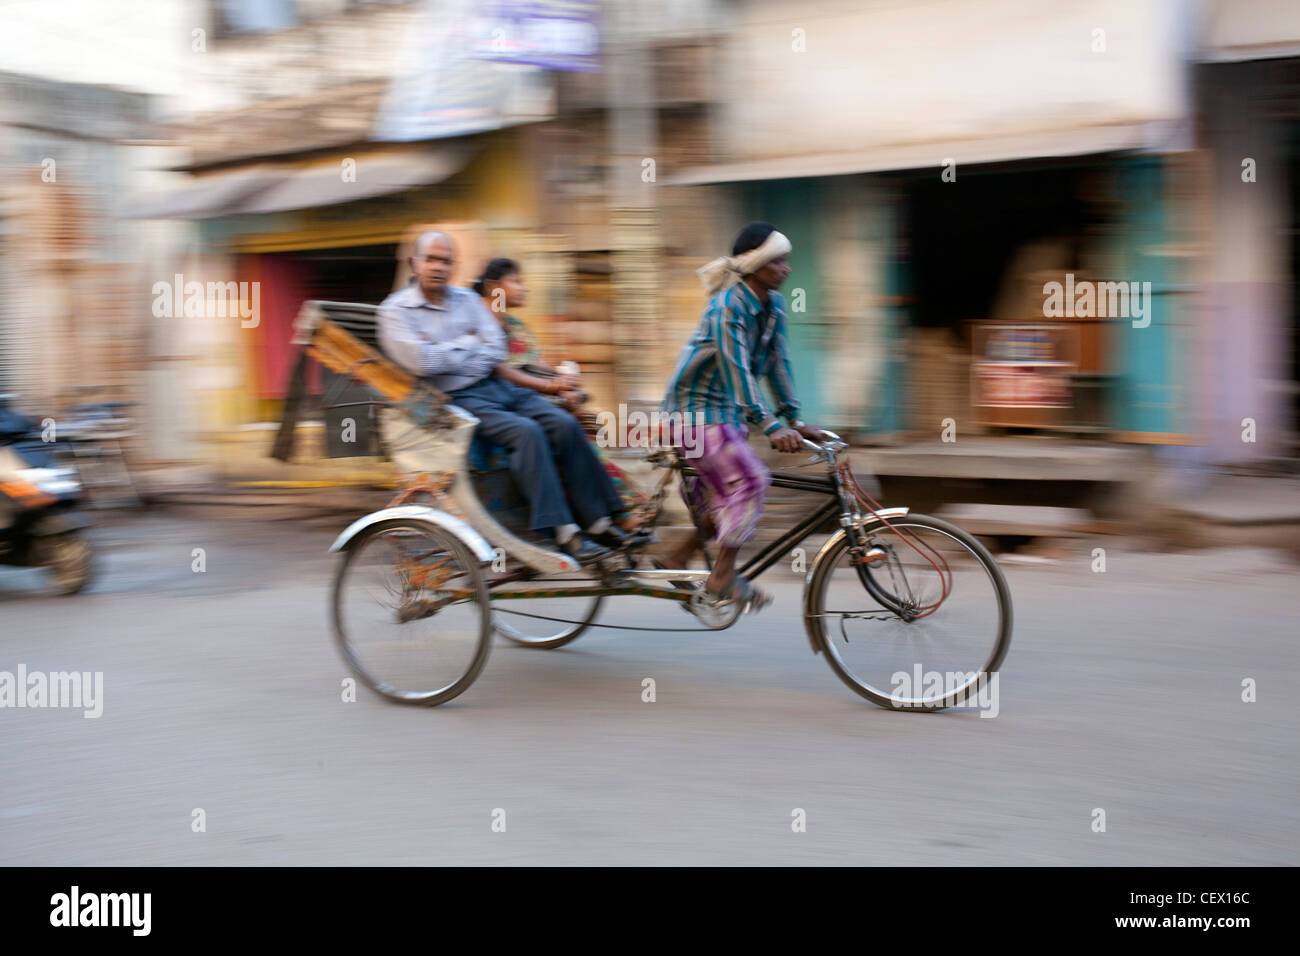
(206, 196)
(1041, 144)
(1250, 30)
(274, 188)
(324, 185)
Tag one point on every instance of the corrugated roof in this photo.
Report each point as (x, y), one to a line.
(269, 188)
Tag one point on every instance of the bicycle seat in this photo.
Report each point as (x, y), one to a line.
(665, 456)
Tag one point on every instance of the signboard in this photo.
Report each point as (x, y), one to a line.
(444, 86)
(1020, 387)
(1023, 366)
(555, 34)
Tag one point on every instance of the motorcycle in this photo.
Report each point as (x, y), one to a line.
(41, 524)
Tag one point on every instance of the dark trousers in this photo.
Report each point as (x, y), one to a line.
(547, 446)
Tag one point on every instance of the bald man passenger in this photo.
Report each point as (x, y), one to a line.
(446, 336)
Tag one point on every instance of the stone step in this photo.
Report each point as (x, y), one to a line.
(1020, 520)
(1241, 500)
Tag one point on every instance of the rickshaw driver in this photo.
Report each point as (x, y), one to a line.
(740, 339)
(445, 335)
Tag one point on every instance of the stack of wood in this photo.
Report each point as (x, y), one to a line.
(940, 384)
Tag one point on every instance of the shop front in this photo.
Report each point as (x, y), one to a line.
(1043, 299)
(328, 246)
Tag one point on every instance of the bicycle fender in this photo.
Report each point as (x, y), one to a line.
(809, 611)
(873, 517)
(448, 522)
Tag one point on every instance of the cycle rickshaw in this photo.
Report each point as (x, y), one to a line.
(910, 611)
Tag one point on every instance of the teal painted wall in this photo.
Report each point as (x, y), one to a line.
(1148, 397)
(793, 206)
(801, 208)
(887, 415)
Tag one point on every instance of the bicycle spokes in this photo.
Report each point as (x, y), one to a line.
(934, 605)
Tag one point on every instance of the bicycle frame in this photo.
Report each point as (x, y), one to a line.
(841, 508)
(823, 485)
(756, 565)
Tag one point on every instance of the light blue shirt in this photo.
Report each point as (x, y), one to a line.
(450, 346)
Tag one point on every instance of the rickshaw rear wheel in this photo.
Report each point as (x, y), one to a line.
(411, 612)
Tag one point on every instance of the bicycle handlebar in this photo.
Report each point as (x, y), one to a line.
(835, 443)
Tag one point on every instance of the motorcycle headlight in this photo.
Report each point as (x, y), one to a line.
(52, 481)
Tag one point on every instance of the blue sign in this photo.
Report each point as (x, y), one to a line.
(555, 34)
(450, 81)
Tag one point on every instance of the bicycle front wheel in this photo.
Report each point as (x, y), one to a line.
(924, 627)
(411, 612)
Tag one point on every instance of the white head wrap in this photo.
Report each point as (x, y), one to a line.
(726, 271)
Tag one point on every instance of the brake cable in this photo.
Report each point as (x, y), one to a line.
(934, 558)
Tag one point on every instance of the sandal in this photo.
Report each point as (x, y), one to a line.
(741, 591)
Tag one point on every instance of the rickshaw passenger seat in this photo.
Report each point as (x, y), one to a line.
(494, 485)
(485, 455)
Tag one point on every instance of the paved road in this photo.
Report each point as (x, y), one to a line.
(222, 692)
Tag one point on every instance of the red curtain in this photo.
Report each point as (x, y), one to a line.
(284, 283)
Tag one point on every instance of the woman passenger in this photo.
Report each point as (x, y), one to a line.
(502, 288)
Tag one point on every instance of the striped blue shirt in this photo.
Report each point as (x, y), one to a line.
(739, 340)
